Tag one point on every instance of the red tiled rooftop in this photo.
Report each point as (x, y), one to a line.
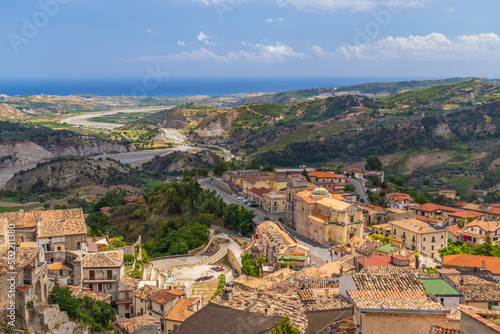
(377, 260)
(431, 207)
(473, 261)
(260, 191)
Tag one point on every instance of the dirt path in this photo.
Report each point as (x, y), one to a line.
(83, 119)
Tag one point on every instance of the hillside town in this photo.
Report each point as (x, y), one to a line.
(320, 259)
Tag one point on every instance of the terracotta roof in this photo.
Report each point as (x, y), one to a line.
(468, 279)
(466, 214)
(435, 329)
(28, 219)
(416, 226)
(55, 266)
(71, 222)
(215, 318)
(256, 178)
(318, 217)
(162, 296)
(136, 323)
(334, 203)
(480, 292)
(260, 191)
(100, 296)
(473, 261)
(427, 219)
(322, 303)
(145, 291)
(394, 300)
(390, 270)
(461, 204)
(180, 311)
(488, 226)
(322, 174)
(344, 326)
(447, 192)
(176, 292)
(128, 283)
(376, 260)
(455, 230)
(431, 207)
(270, 303)
(104, 259)
(408, 282)
(24, 288)
(24, 257)
(481, 317)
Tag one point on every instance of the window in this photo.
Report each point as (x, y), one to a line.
(424, 239)
(351, 218)
(423, 248)
(92, 274)
(110, 285)
(432, 248)
(126, 296)
(58, 248)
(442, 236)
(480, 232)
(127, 306)
(433, 239)
(110, 274)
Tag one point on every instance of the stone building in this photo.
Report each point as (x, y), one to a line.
(419, 236)
(326, 219)
(102, 272)
(27, 287)
(295, 184)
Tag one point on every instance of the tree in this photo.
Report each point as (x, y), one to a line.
(284, 327)
(249, 266)
(350, 188)
(268, 168)
(304, 173)
(252, 164)
(220, 168)
(202, 171)
(373, 163)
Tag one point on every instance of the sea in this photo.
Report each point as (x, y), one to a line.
(171, 86)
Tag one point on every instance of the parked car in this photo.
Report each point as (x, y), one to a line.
(239, 198)
(240, 234)
(253, 205)
(267, 218)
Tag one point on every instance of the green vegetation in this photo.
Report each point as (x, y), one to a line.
(250, 266)
(284, 327)
(239, 218)
(381, 238)
(373, 163)
(99, 315)
(465, 182)
(485, 249)
(220, 286)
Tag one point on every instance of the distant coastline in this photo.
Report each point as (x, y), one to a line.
(176, 86)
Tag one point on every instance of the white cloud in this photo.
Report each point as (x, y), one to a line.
(200, 54)
(181, 43)
(149, 30)
(262, 52)
(349, 5)
(275, 20)
(318, 51)
(254, 52)
(432, 47)
(202, 37)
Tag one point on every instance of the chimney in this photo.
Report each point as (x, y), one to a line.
(484, 265)
(461, 282)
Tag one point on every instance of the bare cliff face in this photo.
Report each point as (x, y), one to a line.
(175, 161)
(63, 174)
(24, 153)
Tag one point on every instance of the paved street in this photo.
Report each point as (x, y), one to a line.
(360, 190)
(316, 249)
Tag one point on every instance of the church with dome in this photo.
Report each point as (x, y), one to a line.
(326, 218)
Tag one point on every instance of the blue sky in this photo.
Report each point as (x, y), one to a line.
(277, 38)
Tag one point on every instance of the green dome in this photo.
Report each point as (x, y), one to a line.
(320, 191)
